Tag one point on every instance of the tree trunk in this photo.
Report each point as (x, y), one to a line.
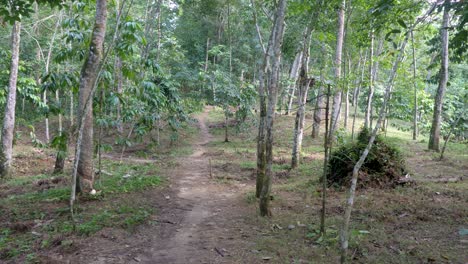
(318, 103)
(362, 158)
(9, 115)
(415, 109)
(326, 157)
(434, 136)
(273, 77)
(304, 85)
(335, 116)
(89, 74)
(317, 112)
(356, 95)
(370, 96)
(119, 90)
(226, 138)
(261, 147)
(293, 75)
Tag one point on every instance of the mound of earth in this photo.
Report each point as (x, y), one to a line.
(383, 168)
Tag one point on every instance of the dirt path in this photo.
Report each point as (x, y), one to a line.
(192, 179)
(197, 219)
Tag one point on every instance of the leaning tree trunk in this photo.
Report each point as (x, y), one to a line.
(304, 85)
(293, 75)
(273, 80)
(89, 74)
(352, 190)
(335, 116)
(434, 136)
(9, 115)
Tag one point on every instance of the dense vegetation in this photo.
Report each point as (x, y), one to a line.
(90, 82)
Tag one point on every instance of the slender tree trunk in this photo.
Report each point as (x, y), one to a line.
(360, 162)
(434, 136)
(352, 190)
(304, 85)
(119, 90)
(326, 147)
(356, 95)
(335, 115)
(415, 110)
(261, 147)
(370, 96)
(293, 75)
(454, 125)
(9, 115)
(317, 112)
(226, 138)
(72, 109)
(318, 103)
(89, 75)
(273, 77)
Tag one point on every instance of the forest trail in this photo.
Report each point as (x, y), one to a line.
(194, 189)
(197, 219)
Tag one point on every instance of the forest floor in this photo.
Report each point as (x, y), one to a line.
(193, 202)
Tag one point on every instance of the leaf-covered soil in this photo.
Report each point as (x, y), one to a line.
(203, 208)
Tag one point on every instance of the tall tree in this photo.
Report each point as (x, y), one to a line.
(89, 75)
(304, 84)
(273, 82)
(434, 136)
(335, 115)
(9, 115)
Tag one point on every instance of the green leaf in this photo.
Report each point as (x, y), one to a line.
(402, 23)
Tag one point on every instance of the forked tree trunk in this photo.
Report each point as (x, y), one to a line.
(304, 84)
(6, 152)
(89, 75)
(434, 136)
(335, 115)
(273, 81)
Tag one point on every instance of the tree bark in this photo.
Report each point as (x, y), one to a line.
(293, 76)
(89, 74)
(335, 116)
(9, 115)
(356, 95)
(415, 109)
(326, 157)
(119, 90)
(273, 80)
(304, 85)
(370, 96)
(318, 103)
(261, 147)
(434, 136)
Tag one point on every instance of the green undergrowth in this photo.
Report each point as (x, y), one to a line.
(35, 218)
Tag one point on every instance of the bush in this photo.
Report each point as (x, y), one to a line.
(383, 168)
